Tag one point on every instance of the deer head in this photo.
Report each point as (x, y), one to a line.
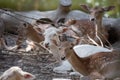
(96, 12)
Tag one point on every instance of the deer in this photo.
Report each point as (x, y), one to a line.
(91, 61)
(29, 33)
(16, 73)
(91, 29)
(32, 35)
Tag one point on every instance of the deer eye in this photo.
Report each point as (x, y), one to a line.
(71, 47)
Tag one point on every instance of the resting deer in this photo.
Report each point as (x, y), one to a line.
(16, 73)
(93, 61)
(32, 34)
(91, 29)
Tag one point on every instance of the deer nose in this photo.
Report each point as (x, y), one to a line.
(46, 45)
(92, 19)
(62, 58)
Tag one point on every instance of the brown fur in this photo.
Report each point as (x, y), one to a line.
(86, 28)
(101, 65)
(31, 33)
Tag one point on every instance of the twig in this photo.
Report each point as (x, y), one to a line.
(92, 40)
(15, 51)
(106, 40)
(96, 29)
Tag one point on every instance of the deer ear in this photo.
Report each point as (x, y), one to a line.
(109, 8)
(28, 76)
(85, 7)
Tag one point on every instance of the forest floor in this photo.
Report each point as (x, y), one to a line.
(38, 62)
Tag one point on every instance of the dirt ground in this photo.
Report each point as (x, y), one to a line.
(38, 62)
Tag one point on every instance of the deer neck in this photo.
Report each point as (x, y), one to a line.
(99, 30)
(56, 52)
(76, 62)
(98, 24)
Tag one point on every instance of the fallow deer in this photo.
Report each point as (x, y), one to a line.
(16, 73)
(32, 34)
(93, 61)
(91, 29)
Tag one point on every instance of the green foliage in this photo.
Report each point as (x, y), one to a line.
(52, 4)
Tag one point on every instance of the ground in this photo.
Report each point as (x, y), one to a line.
(38, 62)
